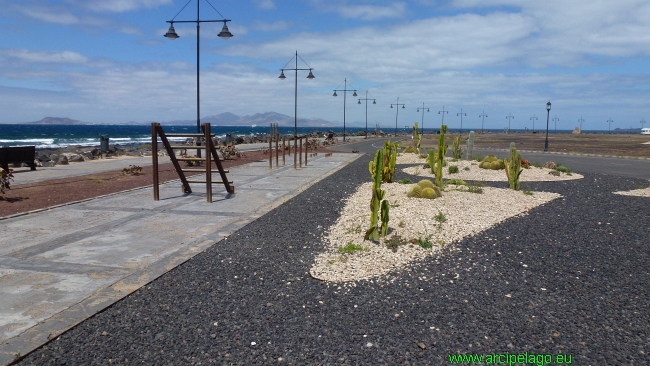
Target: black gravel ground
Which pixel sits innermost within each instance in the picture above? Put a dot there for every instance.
(571, 277)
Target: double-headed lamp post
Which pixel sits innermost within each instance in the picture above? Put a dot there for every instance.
(171, 34)
(548, 111)
(282, 77)
(345, 90)
(373, 102)
(397, 112)
(423, 108)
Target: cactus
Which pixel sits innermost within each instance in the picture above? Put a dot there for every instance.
(513, 169)
(470, 146)
(455, 148)
(492, 162)
(389, 158)
(415, 192)
(425, 183)
(440, 155)
(431, 160)
(431, 193)
(417, 138)
(376, 206)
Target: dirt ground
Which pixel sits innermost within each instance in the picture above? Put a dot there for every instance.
(40, 195)
(604, 144)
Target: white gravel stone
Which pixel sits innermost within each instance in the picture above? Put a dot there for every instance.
(466, 214)
(635, 192)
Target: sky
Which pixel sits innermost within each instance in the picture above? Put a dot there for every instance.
(106, 61)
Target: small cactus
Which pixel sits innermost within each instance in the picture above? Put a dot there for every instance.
(431, 193)
(456, 150)
(425, 183)
(415, 192)
(492, 162)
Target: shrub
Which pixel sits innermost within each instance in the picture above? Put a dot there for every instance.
(5, 179)
(405, 181)
(350, 248)
(453, 169)
(132, 170)
(394, 242)
(475, 187)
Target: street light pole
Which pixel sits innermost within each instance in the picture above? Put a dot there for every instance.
(461, 114)
(373, 102)
(423, 108)
(344, 90)
(282, 77)
(509, 117)
(610, 124)
(581, 120)
(642, 122)
(548, 111)
(397, 113)
(482, 122)
(555, 119)
(443, 111)
(171, 34)
(533, 118)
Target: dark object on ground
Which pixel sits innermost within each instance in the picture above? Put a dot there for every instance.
(17, 154)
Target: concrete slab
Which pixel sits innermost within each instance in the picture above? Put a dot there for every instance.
(61, 266)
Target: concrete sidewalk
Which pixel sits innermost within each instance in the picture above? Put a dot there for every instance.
(61, 266)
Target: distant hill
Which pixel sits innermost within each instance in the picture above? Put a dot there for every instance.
(260, 119)
(58, 121)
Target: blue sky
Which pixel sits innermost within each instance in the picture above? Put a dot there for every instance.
(106, 61)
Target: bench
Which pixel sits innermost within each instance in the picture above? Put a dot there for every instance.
(17, 154)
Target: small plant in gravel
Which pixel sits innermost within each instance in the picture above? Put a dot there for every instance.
(466, 169)
(132, 170)
(354, 230)
(394, 205)
(350, 248)
(640, 186)
(525, 164)
(423, 156)
(453, 169)
(474, 187)
(394, 242)
(5, 179)
(401, 224)
(527, 191)
(536, 164)
(554, 173)
(563, 169)
(417, 171)
(424, 242)
(458, 182)
(405, 181)
(440, 219)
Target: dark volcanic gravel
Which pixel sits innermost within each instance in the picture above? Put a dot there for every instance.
(571, 277)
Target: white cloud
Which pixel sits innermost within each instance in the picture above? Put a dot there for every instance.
(49, 15)
(265, 4)
(363, 12)
(58, 57)
(120, 6)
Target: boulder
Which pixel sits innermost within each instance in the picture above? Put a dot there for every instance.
(47, 164)
(62, 160)
(550, 165)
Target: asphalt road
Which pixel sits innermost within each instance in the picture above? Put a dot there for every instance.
(622, 167)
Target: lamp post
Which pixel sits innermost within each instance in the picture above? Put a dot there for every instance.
(397, 112)
(423, 108)
(642, 122)
(581, 120)
(443, 111)
(509, 117)
(282, 77)
(533, 118)
(548, 111)
(345, 90)
(483, 115)
(461, 114)
(610, 124)
(555, 119)
(373, 102)
(171, 34)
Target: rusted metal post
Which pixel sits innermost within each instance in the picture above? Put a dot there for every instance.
(306, 149)
(270, 153)
(301, 152)
(277, 150)
(283, 151)
(295, 156)
(154, 161)
(208, 162)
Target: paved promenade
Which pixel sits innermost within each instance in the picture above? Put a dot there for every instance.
(61, 266)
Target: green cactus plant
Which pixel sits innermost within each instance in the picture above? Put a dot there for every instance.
(440, 155)
(513, 169)
(492, 162)
(425, 183)
(431, 193)
(417, 138)
(456, 149)
(415, 192)
(389, 159)
(377, 207)
(431, 160)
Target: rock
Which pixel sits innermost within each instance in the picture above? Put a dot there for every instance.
(47, 164)
(550, 165)
(576, 131)
(73, 158)
(37, 163)
(62, 160)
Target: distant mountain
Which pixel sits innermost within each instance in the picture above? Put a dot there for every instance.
(260, 119)
(58, 121)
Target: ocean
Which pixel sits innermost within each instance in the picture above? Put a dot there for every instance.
(56, 136)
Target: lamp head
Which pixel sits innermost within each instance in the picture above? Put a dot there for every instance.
(359, 101)
(391, 106)
(282, 75)
(334, 95)
(374, 101)
(427, 109)
(548, 106)
(171, 33)
(355, 94)
(403, 106)
(225, 33)
(310, 76)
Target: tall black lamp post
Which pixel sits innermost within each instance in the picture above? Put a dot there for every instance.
(483, 115)
(461, 114)
(282, 77)
(443, 112)
(555, 119)
(171, 34)
(397, 112)
(581, 120)
(373, 102)
(344, 90)
(533, 118)
(609, 121)
(642, 122)
(509, 117)
(423, 108)
(548, 111)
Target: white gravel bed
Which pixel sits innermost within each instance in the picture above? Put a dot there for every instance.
(475, 173)
(635, 192)
(466, 214)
